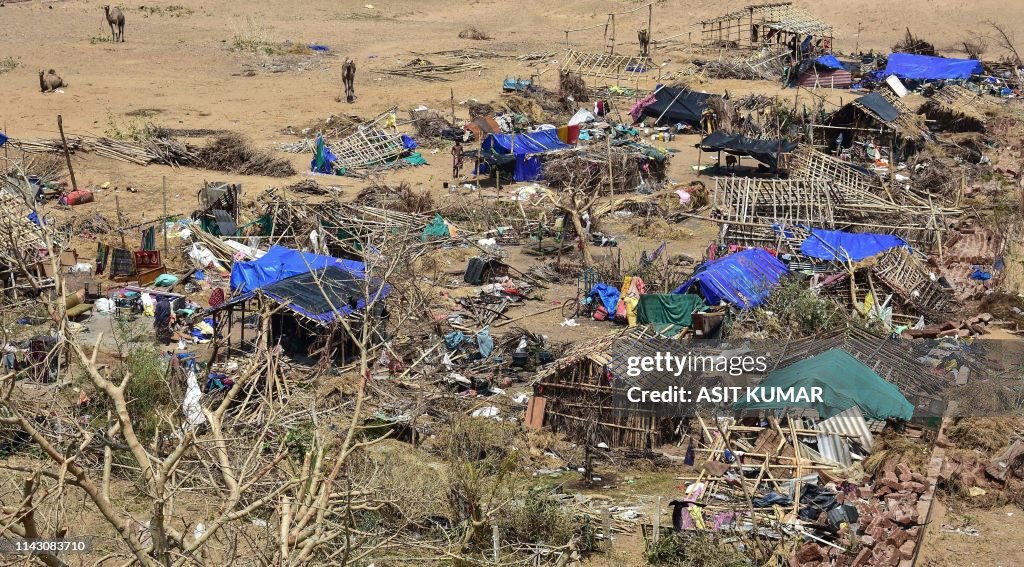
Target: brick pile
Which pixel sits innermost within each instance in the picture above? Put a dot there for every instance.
(889, 524)
(973, 326)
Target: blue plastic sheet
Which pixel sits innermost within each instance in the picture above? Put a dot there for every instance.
(839, 245)
(829, 61)
(525, 147)
(3, 139)
(485, 342)
(608, 295)
(453, 339)
(280, 263)
(744, 279)
(928, 68)
(979, 274)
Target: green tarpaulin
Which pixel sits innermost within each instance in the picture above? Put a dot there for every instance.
(668, 308)
(436, 228)
(415, 159)
(845, 382)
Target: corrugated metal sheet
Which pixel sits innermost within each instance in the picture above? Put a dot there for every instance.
(833, 79)
(849, 422)
(834, 448)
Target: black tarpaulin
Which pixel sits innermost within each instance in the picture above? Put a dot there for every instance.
(764, 151)
(881, 107)
(324, 296)
(674, 105)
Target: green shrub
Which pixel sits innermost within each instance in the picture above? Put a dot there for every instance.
(8, 64)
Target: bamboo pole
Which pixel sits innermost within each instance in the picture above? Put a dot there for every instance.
(67, 154)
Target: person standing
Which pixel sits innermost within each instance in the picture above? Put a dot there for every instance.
(457, 155)
(163, 318)
(348, 77)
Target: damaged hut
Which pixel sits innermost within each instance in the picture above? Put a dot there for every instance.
(876, 128)
(956, 109)
(769, 25)
(309, 296)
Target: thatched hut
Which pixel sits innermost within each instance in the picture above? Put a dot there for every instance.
(956, 109)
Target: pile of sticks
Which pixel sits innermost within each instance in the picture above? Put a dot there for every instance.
(434, 72)
(157, 150)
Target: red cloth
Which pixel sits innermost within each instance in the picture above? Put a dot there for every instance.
(574, 134)
(217, 297)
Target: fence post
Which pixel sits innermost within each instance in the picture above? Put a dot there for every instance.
(496, 539)
(657, 521)
(608, 524)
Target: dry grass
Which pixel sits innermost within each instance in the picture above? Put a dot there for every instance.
(891, 446)
(401, 198)
(252, 36)
(571, 85)
(429, 124)
(400, 473)
(988, 434)
(234, 153)
(658, 228)
(8, 64)
(473, 33)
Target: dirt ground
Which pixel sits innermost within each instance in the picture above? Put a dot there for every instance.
(178, 70)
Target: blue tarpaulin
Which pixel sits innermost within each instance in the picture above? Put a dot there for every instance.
(926, 67)
(3, 139)
(525, 147)
(280, 263)
(839, 245)
(744, 279)
(607, 295)
(829, 61)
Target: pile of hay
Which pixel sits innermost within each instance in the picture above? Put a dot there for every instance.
(473, 33)
(401, 198)
(891, 448)
(428, 123)
(525, 106)
(337, 125)
(987, 434)
(571, 85)
(478, 109)
(233, 153)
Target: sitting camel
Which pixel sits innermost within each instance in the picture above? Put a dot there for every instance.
(50, 81)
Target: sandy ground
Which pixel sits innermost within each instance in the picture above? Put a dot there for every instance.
(181, 67)
(177, 66)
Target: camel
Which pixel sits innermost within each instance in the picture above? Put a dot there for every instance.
(115, 18)
(644, 36)
(49, 81)
(348, 77)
